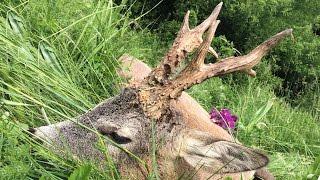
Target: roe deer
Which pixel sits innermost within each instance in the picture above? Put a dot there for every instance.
(190, 146)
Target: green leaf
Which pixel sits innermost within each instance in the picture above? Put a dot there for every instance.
(49, 56)
(316, 166)
(13, 103)
(259, 115)
(81, 172)
(15, 23)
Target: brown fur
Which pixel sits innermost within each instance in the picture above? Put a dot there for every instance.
(178, 131)
(189, 144)
(194, 116)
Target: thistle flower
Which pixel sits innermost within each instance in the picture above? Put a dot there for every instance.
(223, 118)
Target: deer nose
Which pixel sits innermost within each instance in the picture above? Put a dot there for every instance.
(32, 134)
(31, 130)
(49, 132)
(44, 133)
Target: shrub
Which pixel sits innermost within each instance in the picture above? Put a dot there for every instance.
(248, 23)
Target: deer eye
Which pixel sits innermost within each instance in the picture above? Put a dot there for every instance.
(118, 138)
(114, 134)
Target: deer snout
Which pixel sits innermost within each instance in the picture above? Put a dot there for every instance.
(31, 130)
(47, 133)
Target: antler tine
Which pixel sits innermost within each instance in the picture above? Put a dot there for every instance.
(213, 52)
(159, 88)
(186, 41)
(191, 75)
(213, 16)
(246, 62)
(185, 24)
(250, 72)
(205, 45)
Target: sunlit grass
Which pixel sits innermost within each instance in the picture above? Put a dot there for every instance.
(59, 58)
(57, 61)
(268, 123)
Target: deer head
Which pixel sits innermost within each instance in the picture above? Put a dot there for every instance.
(154, 101)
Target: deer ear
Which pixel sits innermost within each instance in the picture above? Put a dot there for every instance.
(200, 149)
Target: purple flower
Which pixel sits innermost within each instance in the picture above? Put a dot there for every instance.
(223, 118)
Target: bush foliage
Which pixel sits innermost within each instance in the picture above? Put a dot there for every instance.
(58, 59)
(248, 23)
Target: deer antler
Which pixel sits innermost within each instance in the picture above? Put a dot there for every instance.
(158, 89)
(187, 40)
(197, 71)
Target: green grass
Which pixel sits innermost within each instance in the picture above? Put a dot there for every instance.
(58, 59)
(53, 68)
(289, 135)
